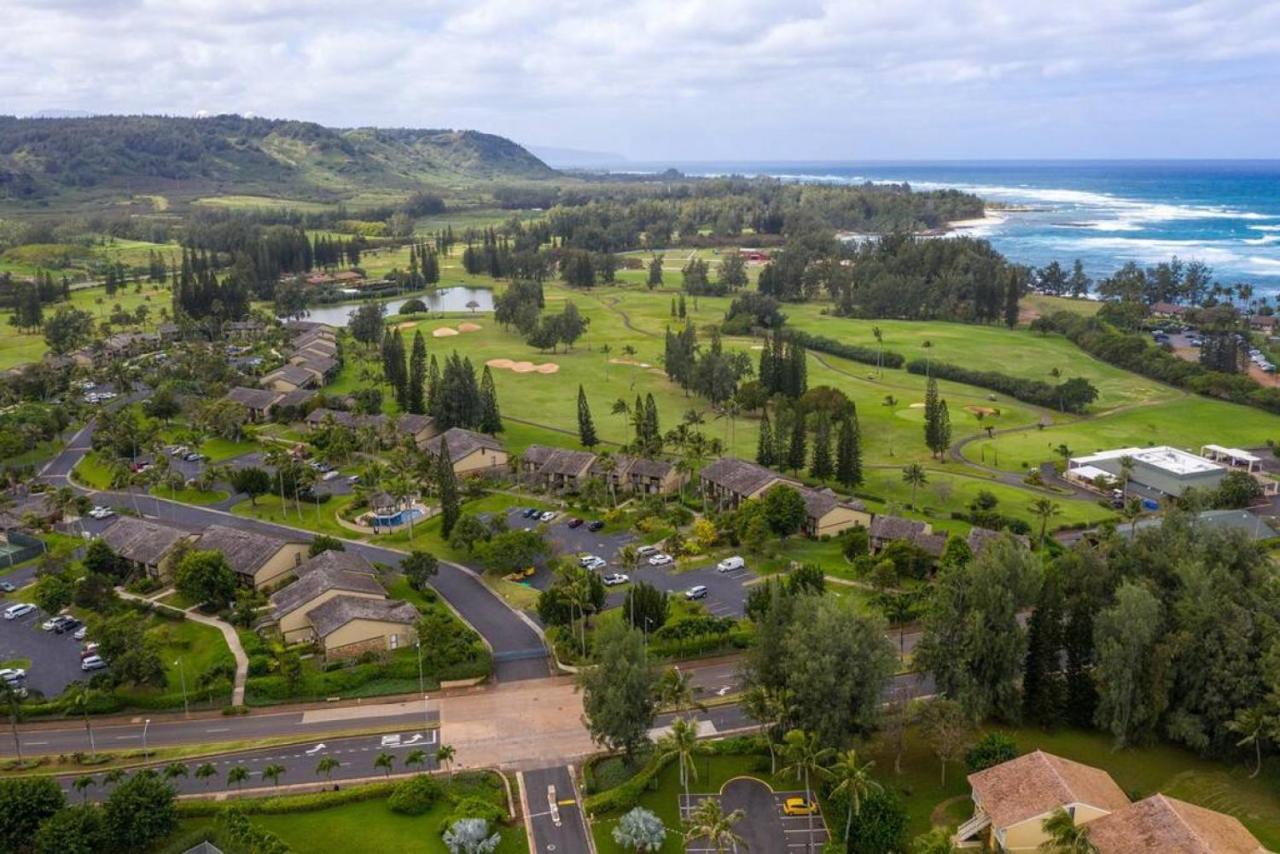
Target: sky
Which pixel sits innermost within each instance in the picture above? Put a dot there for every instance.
(685, 80)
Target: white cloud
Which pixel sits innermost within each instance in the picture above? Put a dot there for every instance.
(762, 79)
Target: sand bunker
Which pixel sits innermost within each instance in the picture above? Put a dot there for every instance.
(548, 368)
(500, 363)
(468, 327)
(917, 406)
(631, 362)
(524, 367)
(400, 327)
(444, 332)
(982, 410)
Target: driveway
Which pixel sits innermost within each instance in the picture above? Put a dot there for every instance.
(763, 826)
(555, 813)
(55, 658)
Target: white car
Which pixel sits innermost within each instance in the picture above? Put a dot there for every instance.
(645, 551)
(696, 592)
(729, 564)
(93, 662)
(586, 559)
(13, 612)
(616, 578)
(101, 512)
(81, 633)
(53, 622)
(661, 560)
(12, 675)
(332, 474)
(595, 563)
(547, 516)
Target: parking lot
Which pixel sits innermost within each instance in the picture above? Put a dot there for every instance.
(764, 827)
(726, 591)
(54, 658)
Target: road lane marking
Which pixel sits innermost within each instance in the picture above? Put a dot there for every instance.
(220, 729)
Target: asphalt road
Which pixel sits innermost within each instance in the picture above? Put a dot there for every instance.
(356, 757)
(519, 652)
(557, 819)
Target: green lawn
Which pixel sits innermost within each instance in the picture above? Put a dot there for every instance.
(198, 646)
(372, 826)
(313, 517)
(93, 472)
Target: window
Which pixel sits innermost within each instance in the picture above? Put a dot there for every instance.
(395, 641)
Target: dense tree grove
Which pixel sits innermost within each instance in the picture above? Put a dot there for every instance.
(1170, 634)
(713, 372)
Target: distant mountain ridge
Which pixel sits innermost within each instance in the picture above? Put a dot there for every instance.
(41, 157)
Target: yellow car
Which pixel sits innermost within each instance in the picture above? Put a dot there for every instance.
(799, 806)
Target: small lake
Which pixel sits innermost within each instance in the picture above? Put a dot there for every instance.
(445, 299)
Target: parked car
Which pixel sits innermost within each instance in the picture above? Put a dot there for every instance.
(13, 675)
(587, 559)
(53, 622)
(729, 564)
(616, 578)
(547, 516)
(93, 662)
(331, 475)
(179, 451)
(575, 522)
(645, 551)
(81, 633)
(70, 624)
(595, 525)
(698, 591)
(100, 512)
(531, 512)
(90, 649)
(193, 457)
(596, 563)
(661, 559)
(799, 806)
(13, 612)
(7, 587)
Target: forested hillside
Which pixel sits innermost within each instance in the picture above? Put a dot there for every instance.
(40, 158)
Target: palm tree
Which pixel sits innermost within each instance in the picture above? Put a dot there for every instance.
(13, 700)
(856, 783)
(1251, 725)
(675, 690)
(386, 762)
(444, 755)
(174, 770)
(207, 772)
(621, 407)
(1045, 509)
(879, 336)
(237, 775)
(272, 772)
(415, 757)
(709, 821)
(82, 784)
(914, 474)
(326, 766)
(1065, 836)
(80, 699)
(807, 760)
(681, 743)
(115, 775)
(1126, 472)
(1131, 512)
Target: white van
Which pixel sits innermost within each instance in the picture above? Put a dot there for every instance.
(13, 612)
(729, 564)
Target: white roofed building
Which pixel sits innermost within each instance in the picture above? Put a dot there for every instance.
(1161, 469)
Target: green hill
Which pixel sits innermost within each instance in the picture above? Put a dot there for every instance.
(45, 158)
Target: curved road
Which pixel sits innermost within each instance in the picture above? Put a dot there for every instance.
(518, 648)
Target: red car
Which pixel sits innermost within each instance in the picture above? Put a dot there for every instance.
(575, 522)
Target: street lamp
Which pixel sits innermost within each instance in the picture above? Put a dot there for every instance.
(182, 674)
(146, 723)
(418, 645)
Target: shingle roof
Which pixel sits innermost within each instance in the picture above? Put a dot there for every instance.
(245, 551)
(327, 571)
(340, 610)
(980, 538)
(820, 502)
(739, 476)
(461, 442)
(291, 374)
(143, 540)
(1169, 826)
(895, 528)
(254, 398)
(645, 467)
(346, 419)
(323, 364)
(932, 544)
(536, 455)
(568, 463)
(297, 397)
(412, 424)
(1038, 783)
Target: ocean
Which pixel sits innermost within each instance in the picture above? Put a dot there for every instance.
(1106, 213)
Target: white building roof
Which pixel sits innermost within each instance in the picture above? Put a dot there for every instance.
(1088, 472)
(1233, 453)
(1172, 460)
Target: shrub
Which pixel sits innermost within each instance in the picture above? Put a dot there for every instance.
(416, 795)
(992, 749)
(473, 807)
(852, 352)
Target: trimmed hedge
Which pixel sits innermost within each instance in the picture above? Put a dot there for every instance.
(1035, 392)
(853, 352)
(627, 795)
(285, 804)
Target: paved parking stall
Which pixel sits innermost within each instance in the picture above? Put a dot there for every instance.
(763, 827)
(55, 658)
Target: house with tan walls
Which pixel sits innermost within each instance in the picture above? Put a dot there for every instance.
(827, 514)
(148, 544)
(472, 453)
(728, 482)
(644, 475)
(1012, 800)
(323, 577)
(347, 626)
(260, 560)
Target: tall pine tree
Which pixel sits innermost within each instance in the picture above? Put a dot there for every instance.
(1044, 692)
(447, 489)
(400, 384)
(942, 432)
(849, 453)
(796, 450)
(433, 386)
(586, 427)
(764, 449)
(821, 467)
(490, 416)
(931, 416)
(418, 375)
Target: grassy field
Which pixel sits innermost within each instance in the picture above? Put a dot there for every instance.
(372, 826)
(313, 517)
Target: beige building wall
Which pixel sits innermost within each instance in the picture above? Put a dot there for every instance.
(480, 460)
(841, 519)
(296, 626)
(360, 636)
(282, 385)
(1029, 835)
(282, 562)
